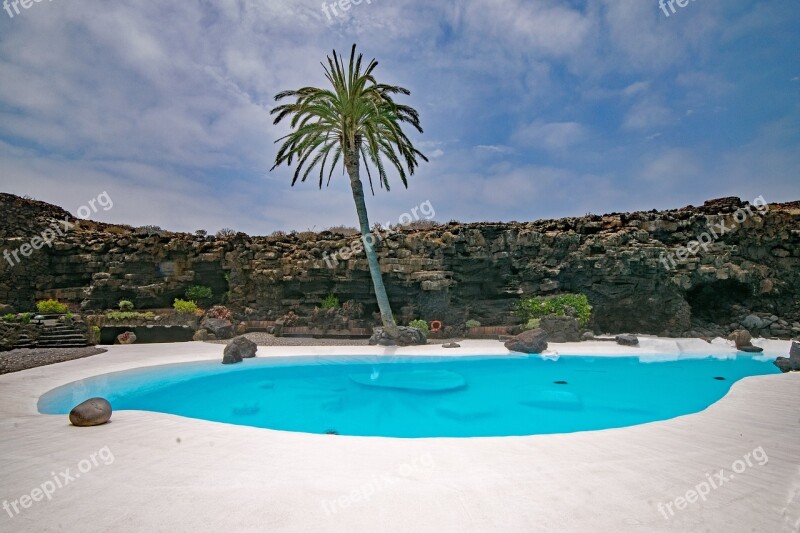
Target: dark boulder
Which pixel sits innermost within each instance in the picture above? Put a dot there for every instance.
(231, 358)
(242, 347)
(627, 340)
(92, 412)
(561, 328)
(750, 349)
(531, 341)
(451, 345)
(788, 365)
(792, 363)
(220, 328)
(408, 337)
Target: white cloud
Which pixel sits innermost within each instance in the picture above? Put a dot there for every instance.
(554, 136)
(647, 114)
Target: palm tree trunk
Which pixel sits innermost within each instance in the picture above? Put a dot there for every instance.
(352, 165)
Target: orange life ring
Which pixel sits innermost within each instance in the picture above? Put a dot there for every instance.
(436, 325)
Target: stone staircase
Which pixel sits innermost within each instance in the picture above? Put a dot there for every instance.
(61, 336)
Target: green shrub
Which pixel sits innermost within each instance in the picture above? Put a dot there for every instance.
(330, 302)
(94, 337)
(51, 306)
(10, 317)
(125, 305)
(420, 325)
(199, 293)
(69, 315)
(473, 324)
(24, 318)
(574, 305)
(184, 307)
(120, 316)
(533, 323)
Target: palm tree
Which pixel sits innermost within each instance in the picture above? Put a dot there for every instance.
(357, 117)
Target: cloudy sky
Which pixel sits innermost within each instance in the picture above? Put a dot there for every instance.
(531, 108)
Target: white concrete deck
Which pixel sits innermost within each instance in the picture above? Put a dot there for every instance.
(170, 473)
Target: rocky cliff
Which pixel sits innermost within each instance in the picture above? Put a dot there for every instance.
(701, 269)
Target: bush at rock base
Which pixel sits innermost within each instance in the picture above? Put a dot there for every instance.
(574, 305)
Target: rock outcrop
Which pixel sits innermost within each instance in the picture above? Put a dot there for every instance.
(220, 328)
(561, 328)
(533, 341)
(408, 337)
(241, 348)
(630, 265)
(791, 363)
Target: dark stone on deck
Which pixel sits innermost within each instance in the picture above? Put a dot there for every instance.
(533, 341)
(241, 347)
(627, 340)
(92, 412)
(750, 349)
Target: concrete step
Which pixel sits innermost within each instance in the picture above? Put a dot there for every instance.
(59, 335)
(62, 344)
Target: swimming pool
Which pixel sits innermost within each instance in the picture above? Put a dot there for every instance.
(426, 397)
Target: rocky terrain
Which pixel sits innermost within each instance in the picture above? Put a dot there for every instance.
(632, 266)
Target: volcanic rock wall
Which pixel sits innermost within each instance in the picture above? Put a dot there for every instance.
(451, 273)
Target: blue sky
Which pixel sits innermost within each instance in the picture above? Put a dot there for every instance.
(531, 109)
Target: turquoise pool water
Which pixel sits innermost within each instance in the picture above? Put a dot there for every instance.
(456, 397)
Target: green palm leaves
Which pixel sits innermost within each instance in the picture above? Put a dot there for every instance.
(356, 118)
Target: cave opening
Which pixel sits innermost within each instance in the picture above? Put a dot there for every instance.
(715, 302)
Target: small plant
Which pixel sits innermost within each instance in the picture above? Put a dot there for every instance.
(226, 233)
(125, 305)
(51, 307)
(420, 325)
(533, 323)
(10, 317)
(330, 302)
(150, 230)
(473, 324)
(352, 309)
(116, 230)
(343, 230)
(574, 305)
(24, 318)
(221, 312)
(184, 307)
(121, 316)
(69, 315)
(94, 335)
(199, 293)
